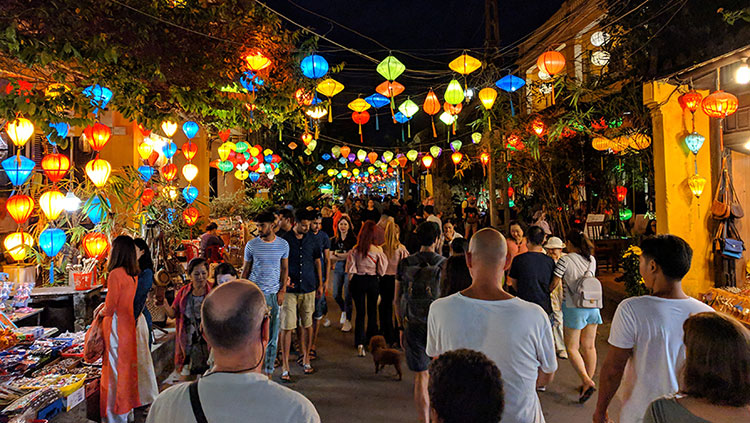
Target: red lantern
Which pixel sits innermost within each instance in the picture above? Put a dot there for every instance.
(189, 149)
(169, 171)
(720, 104)
(427, 160)
(190, 215)
(485, 158)
(55, 166)
(511, 192)
(306, 138)
(402, 160)
(451, 109)
(147, 197)
(621, 192)
(95, 244)
(691, 100)
(360, 118)
(224, 135)
(19, 207)
(97, 135)
(145, 132)
(538, 127)
(551, 62)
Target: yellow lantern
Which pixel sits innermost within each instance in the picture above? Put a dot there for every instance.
(619, 144)
(257, 61)
(465, 64)
(388, 156)
(329, 88)
(601, 144)
(317, 111)
(20, 131)
(427, 160)
(144, 150)
(412, 155)
(170, 192)
(17, 244)
(224, 151)
(241, 174)
(361, 155)
(51, 203)
(487, 96)
(359, 105)
(639, 141)
(169, 128)
(98, 171)
(696, 184)
(190, 171)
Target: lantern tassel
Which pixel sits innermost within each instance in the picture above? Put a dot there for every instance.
(434, 131)
(512, 110)
(408, 129)
(402, 134)
(489, 122)
(377, 121)
(454, 127)
(317, 131)
(553, 94)
(52, 272)
(330, 118)
(361, 141)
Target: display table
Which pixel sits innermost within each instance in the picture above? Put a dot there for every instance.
(66, 308)
(734, 304)
(32, 318)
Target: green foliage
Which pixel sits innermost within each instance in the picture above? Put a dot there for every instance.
(732, 16)
(631, 276)
(238, 204)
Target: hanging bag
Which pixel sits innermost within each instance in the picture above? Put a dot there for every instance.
(720, 207)
(93, 344)
(728, 242)
(735, 208)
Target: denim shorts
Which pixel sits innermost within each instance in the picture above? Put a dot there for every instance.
(579, 318)
(321, 308)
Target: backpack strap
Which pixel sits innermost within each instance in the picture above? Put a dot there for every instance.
(195, 403)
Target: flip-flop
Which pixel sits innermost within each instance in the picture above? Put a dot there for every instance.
(585, 396)
(309, 369)
(313, 354)
(286, 378)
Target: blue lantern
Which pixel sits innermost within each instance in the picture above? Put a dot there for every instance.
(377, 101)
(190, 193)
(95, 211)
(170, 215)
(254, 176)
(18, 169)
(169, 149)
(326, 156)
(51, 241)
(99, 96)
(510, 83)
(146, 172)
(249, 81)
(319, 167)
(190, 129)
(694, 142)
(342, 160)
(401, 118)
(61, 128)
(314, 66)
(316, 100)
(268, 158)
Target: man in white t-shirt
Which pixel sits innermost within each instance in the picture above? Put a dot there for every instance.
(235, 324)
(646, 334)
(513, 333)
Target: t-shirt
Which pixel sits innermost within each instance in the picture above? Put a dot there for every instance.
(472, 214)
(668, 410)
(652, 327)
(325, 244)
(227, 397)
(515, 334)
(266, 257)
(533, 274)
(570, 268)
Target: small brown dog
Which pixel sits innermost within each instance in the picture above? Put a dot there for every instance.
(382, 355)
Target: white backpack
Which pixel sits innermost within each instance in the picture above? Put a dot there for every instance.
(587, 292)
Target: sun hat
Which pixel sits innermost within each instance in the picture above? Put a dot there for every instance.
(554, 242)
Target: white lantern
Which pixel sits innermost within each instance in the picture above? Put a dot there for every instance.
(599, 38)
(600, 58)
(71, 202)
(742, 76)
(543, 75)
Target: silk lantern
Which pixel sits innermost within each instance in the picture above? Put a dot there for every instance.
(436, 151)
(336, 151)
(98, 171)
(510, 84)
(20, 131)
(456, 157)
(551, 62)
(696, 184)
(390, 68)
(691, 100)
(314, 66)
(621, 192)
(55, 166)
(387, 156)
(372, 157)
(72, 202)
(224, 151)
(51, 241)
(427, 161)
(51, 203)
(465, 64)
(431, 106)
(169, 172)
(190, 215)
(190, 194)
(169, 128)
(257, 61)
(189, 149)
(190, 172)
(476, 137)
(719, 104)
(146, 172)
(487, 96)
(454, 94)
(360, 118)
(98, 96)
(639, 141)
(147, 197)
(601, 143)
(190, 129)
(456, 145)
(17, 244)
(408, 108)
(144, 150)
(377, 101)
(97, 135)
(169, 149)
(329, 88)
(694, 142)
(402, 160)
(361, 155)
(95, 212)
(19, 207)
(390, 89)
(345, 151)
(95, 244)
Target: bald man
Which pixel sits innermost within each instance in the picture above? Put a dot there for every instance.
(235, 325)
(513, 333)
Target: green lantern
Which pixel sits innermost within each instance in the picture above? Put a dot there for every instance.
(412, 155)
(336, 151)
(476, 137)
(361, 155)
(225, 166)
(390, 68)
(447, 118)
(454, 94)
(435, 151)
(408, 108)
(625, 214)
(456, 145)
(241, 147)
(387, 156)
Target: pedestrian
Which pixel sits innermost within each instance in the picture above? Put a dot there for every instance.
(648, 331)
(267, 265)
(148, 389)
(371, 213)
(224, 272)
(459, 246)
(716, 375)
(513, 333)
(191, 350)
(321, 306)
(554, 247)
(344, 241)
(284, 222)
(211, 243)
(516, 243)
(236, 325)
(365, 264)
(120, 377)
(456, 276)
(299, 300)
(471, 217)
(430, 216)
(530, 275)
(394, 252)
(145, 283)
(540, 220)
(417, 286)
(449, 234)
(465, 386)
(327, 221)
(579, 324)
(355, 214)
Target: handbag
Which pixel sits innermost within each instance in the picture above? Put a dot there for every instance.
(93, 344)
(728, 242)
(735, 208)
(198, 348)
(720, 208)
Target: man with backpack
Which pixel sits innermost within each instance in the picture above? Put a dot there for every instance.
(417, 286)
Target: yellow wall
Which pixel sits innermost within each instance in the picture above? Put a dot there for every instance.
(678, 212)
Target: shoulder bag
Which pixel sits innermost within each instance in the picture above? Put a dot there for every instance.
(720, 207)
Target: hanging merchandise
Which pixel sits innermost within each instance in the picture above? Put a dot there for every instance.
(190, 129)
(361, 155)
(55, 166)
(98, 171)
(17, 244)
(456, 145)
(639, 141)
(257, 61)
(401, 118)
(61, 129)
(360, 118)
(601, 144)
(390, 89)
(95, 212)
(169, 172)
(390, 69)
(696, 184)
(19, 207)
(169, 128)
(412, 155)
(551, 62)
(487, 96)
(510, 84)
(621, 192)
(427, 161)
(190, 215)
(457, 157)
(377, 101)
(719, 104)
(372, 157)
(436, 151)
(431, 106)
(190, 172)
(169, 149)
(329, 88)
(314, 66)
(95, 244)
(98, 96)
(144, 150)
(476, 137)
(190, 149)
(345, 151)
(51, 241)
(454, 94)
(694, 142)
(147, 197)
(20, 131)
(97, 135)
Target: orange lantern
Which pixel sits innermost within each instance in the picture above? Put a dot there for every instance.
(601, 144)
(145, 150)
(719, 104)
(169, 171)
(372, 157)
(257, 61)
(17, 244)
(551, 62)
(95, 244)
(691, 100)
(484, 158)
(621, 192)
(361, 118)
(538, 127)
(306, 138)
(402, 160)
(189, 149)
(19, 207)
(97, 135)
(456, 157)
(147, 197)
(390, 89)
(55, 166)
(98, 171)
(345, 150)
(427, 160)
(431, 106)
(190, 215)
(304, 97)
(451, 109)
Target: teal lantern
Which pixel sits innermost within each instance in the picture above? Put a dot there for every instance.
(190, 193)
(694, 142)
(18, 169)
(225, 166)
(51, 241)
(95, 211)
(190, 129)
(314, 66)
(626, 214)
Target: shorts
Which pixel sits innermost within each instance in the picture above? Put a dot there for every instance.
(321, 308)
(297, 305)
(579, 318)
(415, 343)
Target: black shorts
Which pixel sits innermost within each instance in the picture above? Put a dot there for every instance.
(415, 343)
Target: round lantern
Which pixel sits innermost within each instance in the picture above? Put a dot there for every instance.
(17, 244)
(51, 241)
(169, 128)
(487, 96)
(190, 171)
(601, 143)
(476, 137)
(538, 127)
(454, 93)
(72, 202)
(147, 197)
(412, 155)
(190, 129)
(372, 157)
(435, 151)
(97, 135)
(719, 104)
(19, 207)
(95, 212)
(427, 160)
(600, 58)
(224, 151)
(599, 38)
(169, 149)
(169, 172)
(144, 150)
(190, 215)
(51, 203)
(456, 157)
(691, 100)
(95, 244)
(639, 141)
(387, 156)
(696, 184)
(621, 192)
(314, 66)
(55, 166)
(484, 158)
(98, 171)
(552, 62)
(189, 149)
(625, 214)
(20, 131)
(146, 172)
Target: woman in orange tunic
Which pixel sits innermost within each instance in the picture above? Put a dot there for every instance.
(119, 382)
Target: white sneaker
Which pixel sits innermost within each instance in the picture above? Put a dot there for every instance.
(361, 350)
(326, 322)
(343, 318)
(347, 327)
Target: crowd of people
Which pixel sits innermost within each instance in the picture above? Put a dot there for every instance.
(482, 321)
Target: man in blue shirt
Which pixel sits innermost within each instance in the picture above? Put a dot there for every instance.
(299, 302)
(321, 306)
(267, 265)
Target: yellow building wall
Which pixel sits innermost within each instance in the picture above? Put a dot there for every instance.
(678, 212)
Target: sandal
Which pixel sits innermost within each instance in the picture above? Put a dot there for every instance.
(309, 369)
(585, 396)
(300, 360)
(285, 377)
(313, 354)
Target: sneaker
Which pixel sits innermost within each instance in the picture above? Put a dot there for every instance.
(343, 318)
(347, 327)
(361, 350)
(326, 322)
(541, 389)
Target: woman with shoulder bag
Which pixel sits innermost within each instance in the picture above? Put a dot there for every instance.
(579, 324)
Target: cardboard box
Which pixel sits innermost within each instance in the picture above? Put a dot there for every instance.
(75, 398)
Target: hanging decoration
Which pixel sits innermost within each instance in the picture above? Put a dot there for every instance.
(98, 171)
(431, 106)
(454, 94)
(190, 194)
(696, 184)
(427, 161)
(551, 62)
(51, 203)
(360, 116)
(19, 207)
(147, 197)
(408, 108)
(97, 136)
(412, 155)
(314, 66)
(257, 61)
(20, 131)
(98, 96)
(17, 244)
(476, 137)
(464, 65)
(377, 101)
(487, 96)
(390, 89)
(719, 105)
(190, 215)
(95, 212)
(329, 88)
(190, 129)
(436, 151)
(510, 84)
(694, 142)
(621, 192)
(95, 244)
(51, 241)
(390, 69)
(169, 128)
(55, 166)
